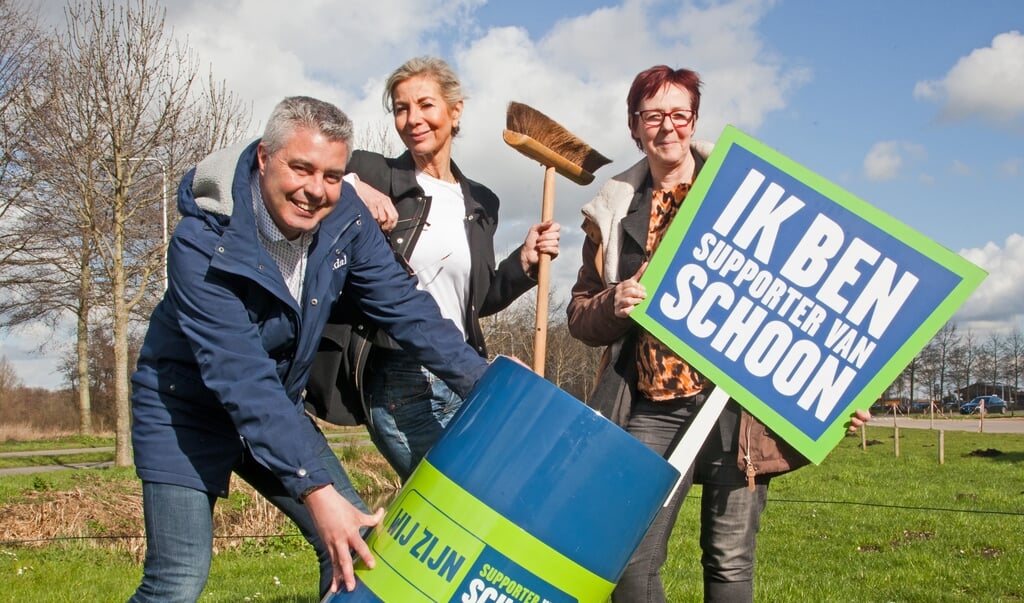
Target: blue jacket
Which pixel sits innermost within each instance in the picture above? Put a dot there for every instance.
(228, 350)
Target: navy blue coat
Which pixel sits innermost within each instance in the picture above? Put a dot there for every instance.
(228, 350)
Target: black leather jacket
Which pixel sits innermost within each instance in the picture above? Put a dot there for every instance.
(335, 389)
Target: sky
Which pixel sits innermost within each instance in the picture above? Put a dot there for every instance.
(915, 106)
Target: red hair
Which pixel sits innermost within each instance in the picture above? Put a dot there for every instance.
(649, 82)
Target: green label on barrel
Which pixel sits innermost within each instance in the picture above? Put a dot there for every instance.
(439, 543)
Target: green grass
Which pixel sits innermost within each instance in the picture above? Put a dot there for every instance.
(74, 572)
(14, 487)
(864, 526)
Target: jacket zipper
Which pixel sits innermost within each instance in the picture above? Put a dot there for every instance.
(751, 469)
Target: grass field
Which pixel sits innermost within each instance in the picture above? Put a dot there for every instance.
(864, 526)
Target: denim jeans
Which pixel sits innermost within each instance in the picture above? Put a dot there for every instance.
(730, 513)
(658, 425)
(179, 530)
(409, 409)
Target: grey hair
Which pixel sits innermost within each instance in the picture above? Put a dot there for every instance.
(432, 67)
(297, 112)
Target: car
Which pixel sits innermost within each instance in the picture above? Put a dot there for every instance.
(924, 407)
(992, 404)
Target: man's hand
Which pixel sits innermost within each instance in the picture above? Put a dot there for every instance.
(338, 522)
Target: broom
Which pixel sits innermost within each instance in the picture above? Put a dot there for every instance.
(540, 138)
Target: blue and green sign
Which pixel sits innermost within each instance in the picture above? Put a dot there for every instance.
(800, 300)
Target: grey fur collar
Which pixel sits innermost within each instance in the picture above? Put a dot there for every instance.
(214, 177)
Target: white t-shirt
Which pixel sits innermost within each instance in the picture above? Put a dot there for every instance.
(441, 258)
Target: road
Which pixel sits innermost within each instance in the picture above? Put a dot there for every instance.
(337, 441)
(992, 425)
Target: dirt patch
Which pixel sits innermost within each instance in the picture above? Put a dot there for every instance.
(988, 452)
(910, 536)
(990, 553)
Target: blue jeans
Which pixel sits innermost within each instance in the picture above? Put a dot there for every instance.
(730, 513)
(409, 408)
(179, 530)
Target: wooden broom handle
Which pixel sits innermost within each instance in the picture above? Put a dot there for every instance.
(540, 337)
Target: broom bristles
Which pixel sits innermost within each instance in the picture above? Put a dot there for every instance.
(526, 120)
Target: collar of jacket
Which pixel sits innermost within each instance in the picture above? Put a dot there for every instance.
(404, 183)
(404, 186)
(612, 204)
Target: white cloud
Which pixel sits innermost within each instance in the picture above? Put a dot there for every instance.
(577, 72)
(989, 83)
(997, 301)
(883, 161)
(887, 159)
(34, 353)
(960, 168)
(267, 50)
(1012, 167)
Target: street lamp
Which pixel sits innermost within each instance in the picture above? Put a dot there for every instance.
(163, 213)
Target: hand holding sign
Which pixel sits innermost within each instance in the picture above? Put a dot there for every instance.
(800, 300)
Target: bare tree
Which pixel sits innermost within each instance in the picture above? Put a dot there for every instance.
(377, 136)
(910, 375)
(570, 364)
(990, 359)
(8, 378)
(965, 360)
(120, 115)
(945, 341)
(510, 332)
(20, 43)
(1014, 362)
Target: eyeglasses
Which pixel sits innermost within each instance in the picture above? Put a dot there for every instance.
(653, 118)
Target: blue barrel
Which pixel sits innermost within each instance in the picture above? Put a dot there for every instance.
(529, 497)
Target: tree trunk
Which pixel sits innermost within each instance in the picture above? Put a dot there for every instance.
(84, 398)
(122, 431)
(82, 343)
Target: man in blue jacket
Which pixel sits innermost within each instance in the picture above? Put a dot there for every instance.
(269, 239)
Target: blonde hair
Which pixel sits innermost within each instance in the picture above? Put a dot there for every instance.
(433, 67)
